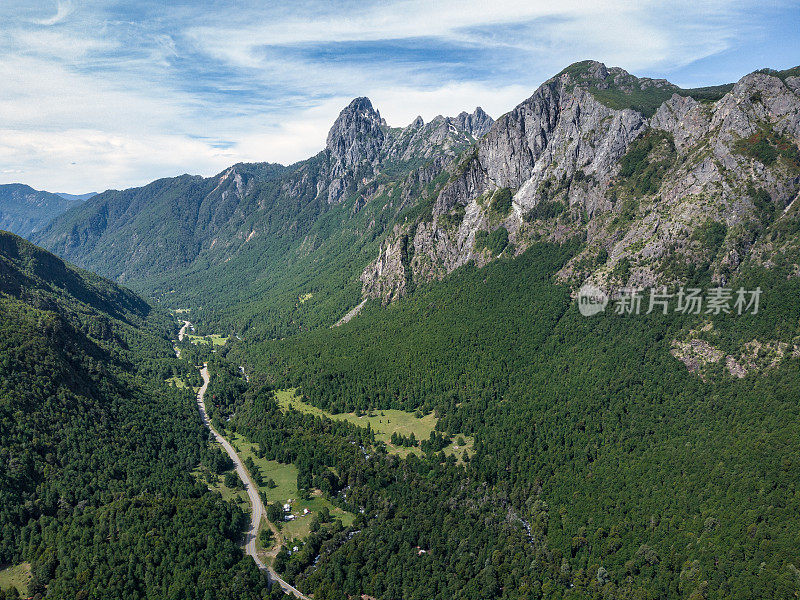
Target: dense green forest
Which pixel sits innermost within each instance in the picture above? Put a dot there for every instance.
(302, 273)
(95, 485)
(424, 527)
(636, 477)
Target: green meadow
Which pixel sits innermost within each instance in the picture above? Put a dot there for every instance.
(16, 576)
(285, 478)
(383, 422)
(213, 339)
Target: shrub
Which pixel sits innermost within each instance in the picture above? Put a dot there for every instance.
(453, 218)
(232, 480)
(275, 513)
(629, 208)
(266, 537)
(711, 235)
(762, 201)
(495, 242)
(501, 201)
(647, 161)
(622, 269)
(546, 209)
(766, 146)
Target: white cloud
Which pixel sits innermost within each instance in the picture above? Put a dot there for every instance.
(635, 33)
(63, 10)
(102, 99)
(73, 160)
(44, 94)
(58, 45)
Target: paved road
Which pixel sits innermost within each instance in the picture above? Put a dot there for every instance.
(258, 511)
(180, 337)
(183, 330)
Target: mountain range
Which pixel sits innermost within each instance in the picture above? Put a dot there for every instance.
(426, 275)
(639, 169)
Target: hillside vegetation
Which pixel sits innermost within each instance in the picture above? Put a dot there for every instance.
(95, 491)
(593, 433)
(635, 456)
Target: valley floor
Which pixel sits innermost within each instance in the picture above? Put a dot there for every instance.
(258, 512)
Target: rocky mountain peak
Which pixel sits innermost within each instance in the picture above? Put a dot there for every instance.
(354, 141)
(477, 123)
(594, 75)
(585, 69)
(357, 134)
(636, 167)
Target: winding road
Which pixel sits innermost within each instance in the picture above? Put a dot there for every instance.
(180, 337)
(258, 513)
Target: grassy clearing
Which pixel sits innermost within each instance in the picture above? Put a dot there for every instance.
(285, 478)
(176, 382)
(216, 483)
(17, 576)
(383, 422)
(285, 492)
(214, 339)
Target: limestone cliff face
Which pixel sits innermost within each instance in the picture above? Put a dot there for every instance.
(645, 187)
(171, 224)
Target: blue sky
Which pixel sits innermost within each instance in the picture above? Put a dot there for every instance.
(99, 94)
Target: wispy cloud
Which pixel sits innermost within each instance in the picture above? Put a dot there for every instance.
(115, 94)
(63, 10)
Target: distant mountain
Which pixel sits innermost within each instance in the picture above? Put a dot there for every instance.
(258, 236)
(24, 210)
(76, 196)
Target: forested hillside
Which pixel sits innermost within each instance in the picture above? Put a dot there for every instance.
(638, 169)
(24, 210)
(632, 454)
(95, 490)
(636, 477)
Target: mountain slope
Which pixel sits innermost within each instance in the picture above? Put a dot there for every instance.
(260, 230)
(632, 476)
(628, 455)
(91, 435)
(25, 211)
(638, 168)
(81, 197)
(576, 161)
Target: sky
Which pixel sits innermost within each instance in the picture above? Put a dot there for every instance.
(113, 94)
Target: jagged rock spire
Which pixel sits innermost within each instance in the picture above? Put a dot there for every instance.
(477, 123)
(356, 135)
